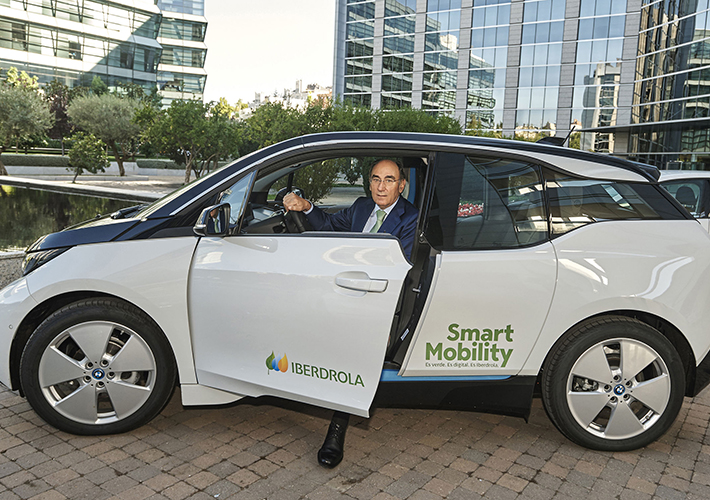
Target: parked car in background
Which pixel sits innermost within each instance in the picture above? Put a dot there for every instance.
(535, 269)
(692, 190)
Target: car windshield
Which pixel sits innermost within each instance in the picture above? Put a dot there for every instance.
(158, 204)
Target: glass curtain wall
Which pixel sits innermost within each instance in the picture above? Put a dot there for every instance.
(672, 84)
(59, 40)
(540, 62)
(598, 71)
(441, 55)
(488, 61)
(360, 33)
(398, 54)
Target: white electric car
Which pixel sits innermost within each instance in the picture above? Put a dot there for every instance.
(692, 190)
(535, 269)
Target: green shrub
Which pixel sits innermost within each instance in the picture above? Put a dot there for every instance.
(158, 163)
(88, 153)
(15, 160)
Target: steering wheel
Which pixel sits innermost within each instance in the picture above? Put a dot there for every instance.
(296, 222)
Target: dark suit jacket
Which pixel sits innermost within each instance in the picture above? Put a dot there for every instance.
(401, 222)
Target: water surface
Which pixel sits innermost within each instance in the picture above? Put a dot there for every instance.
(27, 214)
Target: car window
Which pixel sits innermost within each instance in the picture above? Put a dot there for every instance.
(575, 202)
(692, 194)
(486, 203)
(235, 195)
(331, 183)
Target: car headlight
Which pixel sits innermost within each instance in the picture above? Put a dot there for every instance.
(36, 259)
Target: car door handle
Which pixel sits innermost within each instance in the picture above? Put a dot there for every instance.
(361, 282)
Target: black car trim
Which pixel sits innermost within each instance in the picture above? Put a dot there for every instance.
(511, 396)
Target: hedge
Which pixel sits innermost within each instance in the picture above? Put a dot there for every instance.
(158, 163)
(19, 160)
(161, 163)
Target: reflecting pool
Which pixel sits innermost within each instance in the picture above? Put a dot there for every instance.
(27, 214)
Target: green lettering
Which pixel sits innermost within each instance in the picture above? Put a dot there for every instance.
(497, 332)
(433, 351)
(506, 356)
(450, 353)
(494, 350)
(470, 333)
(487, 334)
(464, 353)
(342, 377)
(297, 368)
(323, 373)
(358, 381)
(509, 334)
(454, 332)
(333, 375)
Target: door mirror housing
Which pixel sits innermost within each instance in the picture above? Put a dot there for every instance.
(213, 221)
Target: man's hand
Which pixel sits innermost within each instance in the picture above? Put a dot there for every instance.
(296, 203)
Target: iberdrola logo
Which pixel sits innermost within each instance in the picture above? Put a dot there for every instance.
(278, 364)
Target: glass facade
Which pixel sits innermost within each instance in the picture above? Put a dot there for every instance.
(60, 39)
(626, 77)
(181, 73)
(490, 27)
(673, 85)
(540, 64)
(360, 36)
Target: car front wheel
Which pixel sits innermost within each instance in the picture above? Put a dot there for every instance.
(97, 366)
(613, 384)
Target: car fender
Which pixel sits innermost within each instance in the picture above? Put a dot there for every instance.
(150, 274)
(603, 268)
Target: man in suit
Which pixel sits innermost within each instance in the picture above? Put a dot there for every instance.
(385, 212)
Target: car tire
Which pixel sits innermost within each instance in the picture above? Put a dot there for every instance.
(613, 384)
(97, 366)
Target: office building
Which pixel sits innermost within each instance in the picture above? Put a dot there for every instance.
(181, 73)
(631, 76)
(77, 40)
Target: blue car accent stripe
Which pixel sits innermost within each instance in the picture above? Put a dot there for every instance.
(391, 376)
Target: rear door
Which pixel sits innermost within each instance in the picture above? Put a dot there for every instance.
(494, 278)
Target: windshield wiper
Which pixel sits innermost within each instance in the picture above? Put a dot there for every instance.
(121, 214)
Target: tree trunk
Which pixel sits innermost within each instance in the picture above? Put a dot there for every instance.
(3, 171)
(62, 140)
(188, 171)
(119, 160)
(73, 181)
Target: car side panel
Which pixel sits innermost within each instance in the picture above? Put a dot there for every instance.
(658, 267)
(150, 274)
(484, 312)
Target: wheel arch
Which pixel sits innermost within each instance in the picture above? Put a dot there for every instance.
(665, 327)
(45, 309)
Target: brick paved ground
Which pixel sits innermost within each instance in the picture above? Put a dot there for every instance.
(265, 451)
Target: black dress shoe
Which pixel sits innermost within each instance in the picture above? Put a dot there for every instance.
(331, 453)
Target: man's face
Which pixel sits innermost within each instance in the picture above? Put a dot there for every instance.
(385, 183)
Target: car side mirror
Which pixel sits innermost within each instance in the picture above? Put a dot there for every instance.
(213, 221)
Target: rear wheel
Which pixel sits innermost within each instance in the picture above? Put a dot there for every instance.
(613, 384)
(97, 367)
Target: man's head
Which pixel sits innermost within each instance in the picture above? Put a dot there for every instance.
(386, 183)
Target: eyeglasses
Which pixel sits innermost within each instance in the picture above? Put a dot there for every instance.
(389, 181)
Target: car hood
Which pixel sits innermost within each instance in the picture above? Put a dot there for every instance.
(97, 230)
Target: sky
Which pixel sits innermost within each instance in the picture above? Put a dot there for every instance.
(266, 45)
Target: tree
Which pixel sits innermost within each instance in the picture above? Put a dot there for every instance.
(110, 118)
(21, 79)
(23, 114)
(182, 133)
(88, 153)
(58, 96)
(98, 87)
